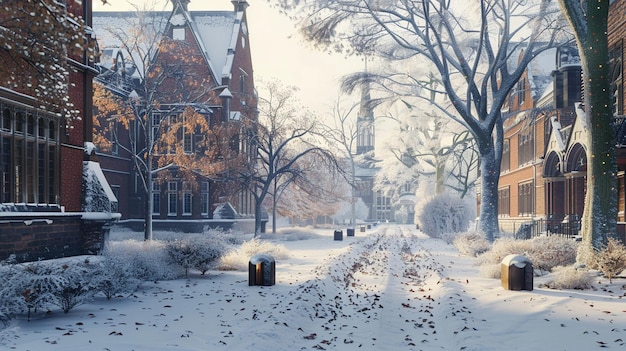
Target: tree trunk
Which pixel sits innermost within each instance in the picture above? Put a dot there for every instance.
(490, 173)
(600, 212)
(149, 202)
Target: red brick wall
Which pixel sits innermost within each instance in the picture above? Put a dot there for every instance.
(30, 238)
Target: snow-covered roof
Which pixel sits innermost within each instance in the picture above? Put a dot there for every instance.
(215, 31)
(218, 32)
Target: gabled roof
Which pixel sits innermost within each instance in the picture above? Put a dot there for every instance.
(216, 32)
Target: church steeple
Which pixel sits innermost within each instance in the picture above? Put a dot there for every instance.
(365, 121)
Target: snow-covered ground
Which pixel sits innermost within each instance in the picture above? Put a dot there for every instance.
(391, 288)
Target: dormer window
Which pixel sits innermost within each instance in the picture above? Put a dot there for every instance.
(178, 33)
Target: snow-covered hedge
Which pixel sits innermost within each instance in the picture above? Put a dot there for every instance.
(444, 214)
(197, 252)
(471, 244)
(545, 252)
(237, 260)
(145, 260)
(32, 287)
(570, 277)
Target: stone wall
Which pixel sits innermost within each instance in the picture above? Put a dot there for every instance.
(49, 235)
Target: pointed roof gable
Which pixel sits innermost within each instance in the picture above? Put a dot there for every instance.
(215, 32)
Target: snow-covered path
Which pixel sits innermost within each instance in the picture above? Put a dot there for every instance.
(391, 288)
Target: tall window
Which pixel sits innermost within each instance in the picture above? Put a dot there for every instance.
(525, 149)
(521, 91)
(243, 77)
(526, 197)
(187, 138)
(172, 196)
(617, 87)
(504, 201)
(156, 125)
(204, 198)
(187, 199)
(156, 198)
(29, 160)
(506, 156)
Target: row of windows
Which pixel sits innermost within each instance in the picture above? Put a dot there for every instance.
(525, 200)
(29, 157)
(186, 196)
(525, 151)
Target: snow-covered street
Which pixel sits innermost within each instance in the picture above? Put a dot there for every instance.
(391, 288)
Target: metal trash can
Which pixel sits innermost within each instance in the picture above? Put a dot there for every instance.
(369, 226)
(362, 228)
(262, 270)
(517, 273)
(338, 234)
(350, 232)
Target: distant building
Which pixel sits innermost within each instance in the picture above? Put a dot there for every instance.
(220, 39)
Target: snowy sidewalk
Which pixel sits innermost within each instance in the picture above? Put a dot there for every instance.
(391, 288)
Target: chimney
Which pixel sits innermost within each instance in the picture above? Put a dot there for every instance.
(183, 3)
(240, 5)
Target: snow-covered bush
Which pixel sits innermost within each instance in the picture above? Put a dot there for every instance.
(548, 252)
(35, 286)
(490, 271)
(543, 252)
(569, 277)
(443, 214)
(77, 284)
(198, 252)
(611, 259)
(146, 260)
(115, 277)
(238, 259)
(471, 244)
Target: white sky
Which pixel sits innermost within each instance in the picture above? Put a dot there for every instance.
(277, 52)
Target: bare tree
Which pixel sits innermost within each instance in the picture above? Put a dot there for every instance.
(342, 134)
(589, 21)
(164, 107)
(283, 136)
(471, 56)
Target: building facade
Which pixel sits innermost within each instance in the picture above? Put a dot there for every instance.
(544, 163)
(213, 79)
(44, 147)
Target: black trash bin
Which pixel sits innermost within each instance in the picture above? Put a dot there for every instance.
(517, 273)
(350, 232)
(369, 226)
(362, 229)
(262, 270)
(338, 234)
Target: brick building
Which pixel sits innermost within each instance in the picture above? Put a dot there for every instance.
(544, 162)
(43, 154)
(218, 64)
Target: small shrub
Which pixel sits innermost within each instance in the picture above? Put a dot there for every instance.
(444, 214)
(197, 252)
(490, 271)
(471, 244)
(147, 260)
(569, 277)
(543, 252)
(77, 285)
(611, 260)
(115, 277)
